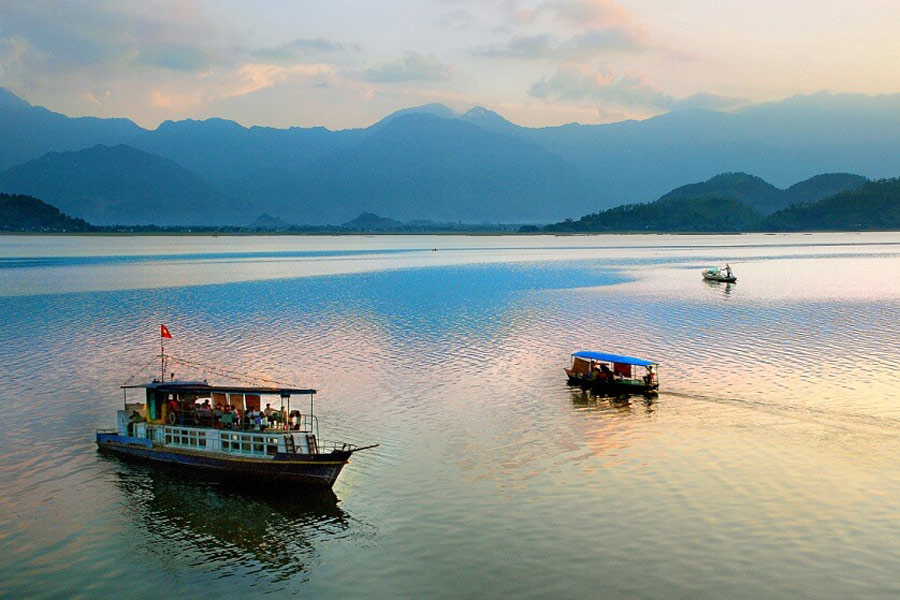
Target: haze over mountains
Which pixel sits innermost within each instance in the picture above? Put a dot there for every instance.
(428, 162)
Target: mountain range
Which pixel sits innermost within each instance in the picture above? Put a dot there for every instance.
(429, 163)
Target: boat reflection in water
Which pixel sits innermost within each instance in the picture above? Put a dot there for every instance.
(718, 286)
(586, 398)
(227, 528)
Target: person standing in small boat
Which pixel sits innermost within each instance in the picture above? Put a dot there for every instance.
(728, 271)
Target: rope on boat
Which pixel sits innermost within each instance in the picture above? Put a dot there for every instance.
(227, 373)
(140, 370)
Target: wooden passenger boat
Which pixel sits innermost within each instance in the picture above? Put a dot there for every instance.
(221, 430)
(613, 373)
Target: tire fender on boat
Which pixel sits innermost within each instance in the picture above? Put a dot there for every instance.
(171, 418)
(196, 419)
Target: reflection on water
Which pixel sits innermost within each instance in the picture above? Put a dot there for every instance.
(766, 467)
(204, 524)
(588, 398)
(720, 288)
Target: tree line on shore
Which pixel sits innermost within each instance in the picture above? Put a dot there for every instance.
(874, 205)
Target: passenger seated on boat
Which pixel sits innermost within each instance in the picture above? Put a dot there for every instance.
(295, 420)
(263, 422)
(227, 417)
(135, 417)
(606, 373)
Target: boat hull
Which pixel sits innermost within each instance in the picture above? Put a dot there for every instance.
(613, 388)
(719, 279)
(319, 470)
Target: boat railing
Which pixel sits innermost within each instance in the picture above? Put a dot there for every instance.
(208, 419)
(326, 446)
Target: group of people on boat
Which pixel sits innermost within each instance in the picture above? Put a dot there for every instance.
(226, 416)
(602, 372)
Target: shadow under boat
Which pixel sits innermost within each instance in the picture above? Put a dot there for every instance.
(719, 286)
(214, 524)
(584, 397)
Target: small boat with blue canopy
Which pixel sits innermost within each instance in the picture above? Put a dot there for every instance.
(613, 373)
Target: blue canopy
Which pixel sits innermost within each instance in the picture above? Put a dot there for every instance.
(614, 358)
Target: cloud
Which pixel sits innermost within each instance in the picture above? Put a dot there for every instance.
(300, 49)
(458, 19)
(580, 83)
(587, 13)
(60, 36)
(588, 44)
(245, 80)
(575, 82)
(521, 46)
(412, 67)
(709, 101)
(162, 54)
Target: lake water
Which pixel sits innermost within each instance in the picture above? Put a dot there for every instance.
(768, 467)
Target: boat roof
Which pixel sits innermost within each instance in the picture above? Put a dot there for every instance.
(202, 387)
(615, 358)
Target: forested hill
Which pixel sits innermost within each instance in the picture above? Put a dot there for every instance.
(874, 206)
(26, 213)
(727, 202)
(761, 195)
(681, 214)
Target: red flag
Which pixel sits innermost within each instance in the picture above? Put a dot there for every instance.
(164, 332)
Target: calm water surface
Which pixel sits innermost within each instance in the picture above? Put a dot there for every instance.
(768, 467)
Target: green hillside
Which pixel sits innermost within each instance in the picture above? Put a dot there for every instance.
(751, 190)
(26, 213)
(684, 214)
(874, 206)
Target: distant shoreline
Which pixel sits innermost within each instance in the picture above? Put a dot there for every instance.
(417, 233)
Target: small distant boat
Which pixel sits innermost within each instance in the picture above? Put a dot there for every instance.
(722, 275)
(613, 373)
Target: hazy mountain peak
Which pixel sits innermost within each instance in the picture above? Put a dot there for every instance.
(436, 109)
(10, 101)
(480, 112)
(209, 125)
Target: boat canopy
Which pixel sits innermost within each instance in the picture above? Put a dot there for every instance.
(613, 358)
(201, 387)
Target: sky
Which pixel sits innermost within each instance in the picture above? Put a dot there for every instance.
(348, 63)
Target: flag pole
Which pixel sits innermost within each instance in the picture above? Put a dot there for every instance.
(163, 334)
(162, 356)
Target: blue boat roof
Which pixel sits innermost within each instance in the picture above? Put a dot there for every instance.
(615, 358)
(202, 387)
